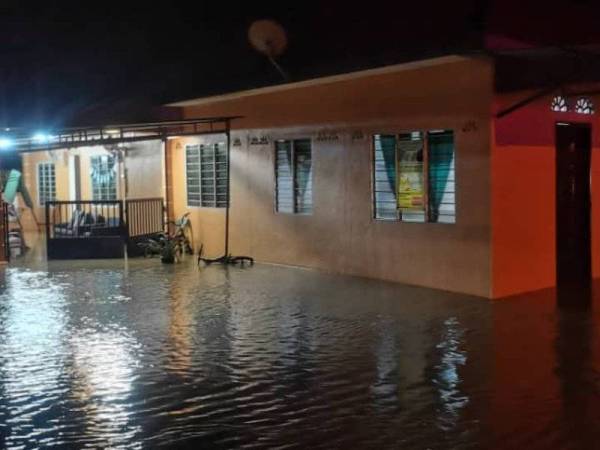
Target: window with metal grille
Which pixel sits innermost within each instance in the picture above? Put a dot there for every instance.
(413, 176)
(206, 175)
(293, 175)
(104, 177)
(46, 183)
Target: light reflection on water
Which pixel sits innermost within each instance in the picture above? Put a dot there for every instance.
(101, 355)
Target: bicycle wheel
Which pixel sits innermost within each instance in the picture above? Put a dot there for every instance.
(178, 252)
(188, 239)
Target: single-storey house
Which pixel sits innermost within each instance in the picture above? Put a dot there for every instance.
(419, 173)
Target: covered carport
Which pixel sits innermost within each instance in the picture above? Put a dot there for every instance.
(79, 226)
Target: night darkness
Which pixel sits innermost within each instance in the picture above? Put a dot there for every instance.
(67, 63)
(73, 62)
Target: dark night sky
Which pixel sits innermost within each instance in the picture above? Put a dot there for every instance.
(62, 60)
(63, 63)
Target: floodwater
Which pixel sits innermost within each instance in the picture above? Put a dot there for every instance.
(144, 355)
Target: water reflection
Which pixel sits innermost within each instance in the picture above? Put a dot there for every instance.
(547, 369)
(91, 355)
(386, 387)
(31, 356)
(577, 370)
(181, 326)
(103, 378)
(448, 378)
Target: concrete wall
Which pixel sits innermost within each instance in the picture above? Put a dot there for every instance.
(341, 234)
(30, 178)
(145, 169)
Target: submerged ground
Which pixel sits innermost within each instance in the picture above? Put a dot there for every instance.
(143, 355)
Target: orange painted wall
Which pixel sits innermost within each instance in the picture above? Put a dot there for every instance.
(523, 376)
(595, 180)
(523, 219)
(523, 196)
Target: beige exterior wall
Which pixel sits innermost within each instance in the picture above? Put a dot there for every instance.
(341, 234)
(145, 170)
(30, 179)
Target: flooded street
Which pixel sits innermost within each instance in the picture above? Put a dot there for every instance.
(99, 354)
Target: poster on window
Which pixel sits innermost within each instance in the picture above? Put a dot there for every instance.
(410, 185)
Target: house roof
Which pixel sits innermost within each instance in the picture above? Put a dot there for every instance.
(413, 65)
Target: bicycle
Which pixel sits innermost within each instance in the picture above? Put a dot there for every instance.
(183, 237)
(171, 247)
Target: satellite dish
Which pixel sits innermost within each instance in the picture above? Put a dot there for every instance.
(269, 38)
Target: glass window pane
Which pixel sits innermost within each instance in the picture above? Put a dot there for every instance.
(283, 174)
(46, 183)
(411, 189)
(104, 179)
(206, 168)
(293, 173)
(303, 176)
(384, 177)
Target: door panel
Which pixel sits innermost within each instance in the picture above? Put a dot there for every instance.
(573, 204)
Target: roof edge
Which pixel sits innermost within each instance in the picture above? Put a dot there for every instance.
(412, 65)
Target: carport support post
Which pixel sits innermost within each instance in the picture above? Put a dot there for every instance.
(125, 193)
(228, 196)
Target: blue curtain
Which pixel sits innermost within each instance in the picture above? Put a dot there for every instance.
(441, 156)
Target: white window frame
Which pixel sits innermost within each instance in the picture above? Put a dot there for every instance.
(39, 181)
(218, 204)
(116, 170)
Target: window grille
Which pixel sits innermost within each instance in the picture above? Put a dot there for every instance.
(206, 175)
(293, 173)
(46, 183)
(414, 176)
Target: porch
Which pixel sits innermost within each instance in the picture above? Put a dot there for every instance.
(95, 192)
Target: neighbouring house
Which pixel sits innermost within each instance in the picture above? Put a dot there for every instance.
(423, 173)
(92, 173)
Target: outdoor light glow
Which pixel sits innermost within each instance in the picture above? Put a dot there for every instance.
(6, 143)
(112, 131)
(41, 138)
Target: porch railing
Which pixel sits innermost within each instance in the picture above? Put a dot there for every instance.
(84, 219)
(145, 216)
(100, 228)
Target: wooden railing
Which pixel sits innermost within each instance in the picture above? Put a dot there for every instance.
(145, 216)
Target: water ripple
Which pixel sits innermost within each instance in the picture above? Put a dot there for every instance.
(152, 356)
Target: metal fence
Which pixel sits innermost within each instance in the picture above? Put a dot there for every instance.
(85, 229)
(84, 219)
(4, 237)
(101, 228)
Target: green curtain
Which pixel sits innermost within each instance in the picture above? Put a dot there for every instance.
(441, 155)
